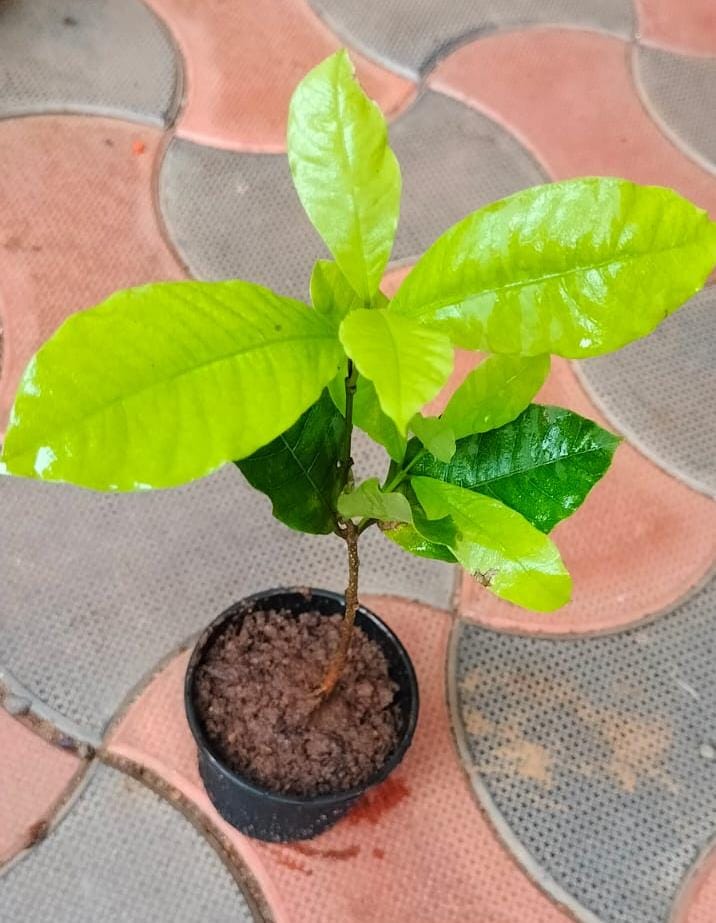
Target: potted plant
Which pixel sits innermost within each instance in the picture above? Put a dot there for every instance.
(301, 699)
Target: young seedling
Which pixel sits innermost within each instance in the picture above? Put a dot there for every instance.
(163, 384)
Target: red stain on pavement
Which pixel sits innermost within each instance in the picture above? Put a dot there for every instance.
(375, 804)
(349, 852)
(378, 853)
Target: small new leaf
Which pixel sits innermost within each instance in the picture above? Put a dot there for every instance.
(368, 500)
(331, 295)
(368, 414)
(436, 434)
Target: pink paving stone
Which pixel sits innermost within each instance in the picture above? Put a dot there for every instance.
(77, 222)
(419, 843)
(697, 903)
(243, 61)
(678, 25)
(34, 776)
(641, 540)
(570, 98)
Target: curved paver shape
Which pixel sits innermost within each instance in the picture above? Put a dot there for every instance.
(680, 91)
(688, 26)
(97, 588)
(237, 215)
(697, 901)
(411, 34)
(591, 751)
(661, 392)
(107, 57)
(122, 854)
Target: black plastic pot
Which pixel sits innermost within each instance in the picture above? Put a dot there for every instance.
(259, 812)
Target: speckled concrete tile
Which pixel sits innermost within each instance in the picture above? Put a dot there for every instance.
(243, 61)
(411, 34)
(122, 854)
(687, 25)
(679, 91)
(591, 754)
(570, 97)
(641, 541)
(660, 392)
(77, 222)
(97, 588)
(235, 214)
(417, 848)
(107, 57)
(34, 778)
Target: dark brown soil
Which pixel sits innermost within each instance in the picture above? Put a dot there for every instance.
(255, 694)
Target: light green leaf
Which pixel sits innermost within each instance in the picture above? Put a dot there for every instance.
(331, 294)
(299, 470)
(498, 546)
(577, 268)
(436, 434)
(346, 175)
(409, 539)
(165, 383)
(368, 415)
(543, 464)
(407, 364)
(369, 500)
(494, 393)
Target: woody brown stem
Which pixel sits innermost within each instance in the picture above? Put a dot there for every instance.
(338, 661)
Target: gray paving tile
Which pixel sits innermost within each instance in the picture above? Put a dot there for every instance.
(96, 588)
(680, 90)
(591, 754)
(661, 392)
(237, 215)
(410, 34)
(122, 855)
(108, 57)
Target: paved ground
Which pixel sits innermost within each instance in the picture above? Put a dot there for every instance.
(570, 771)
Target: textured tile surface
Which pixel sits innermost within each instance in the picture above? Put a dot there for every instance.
(639, 543)
(660, 392)
(410, 34)
(688, 25)
(243, 61)
(77, 222)
(122, 854)
(418, 849)
(680, 90)
(34, 777)
(591, 752)
(237, 214)
(107, 57)
(83, 620)
(570, 97)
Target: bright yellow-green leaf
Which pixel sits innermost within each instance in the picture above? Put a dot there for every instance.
(165, 383)
(369, 500)
(576, 268)
(331, 294)
(368, 415)
(408, 364)
(346, 175)
(494, 393)
(498, 546)
(436, 434)
(409, 539)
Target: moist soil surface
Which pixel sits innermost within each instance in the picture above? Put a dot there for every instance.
(255, 694)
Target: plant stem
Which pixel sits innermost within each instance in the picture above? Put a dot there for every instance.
(338, 661)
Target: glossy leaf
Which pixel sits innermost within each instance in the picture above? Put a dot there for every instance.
(577, 268)
(494, 393)
(370, 501)
(165, 383)
(368, 414)
(543, 464)
(331, 294)
(409, 539)
(436, 434)
(346, 175)
(498, 546)
(408, 364)
(299, 470)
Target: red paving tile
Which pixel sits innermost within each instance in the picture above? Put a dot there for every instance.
(679, 25)
(77, 222)
(697, 903)
(418, 843)
(34, 777)
(243, 61)
(569, 96)
(640, 541)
